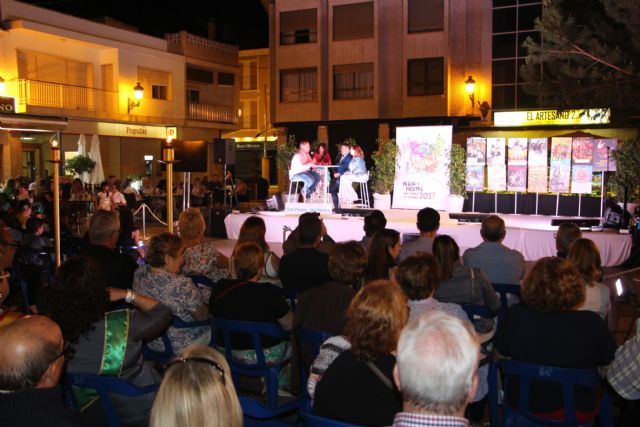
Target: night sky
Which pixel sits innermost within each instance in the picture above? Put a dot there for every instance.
(241, 22)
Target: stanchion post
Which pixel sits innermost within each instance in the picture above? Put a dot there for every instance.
(144, 222)
(55, 160)
(168, 157)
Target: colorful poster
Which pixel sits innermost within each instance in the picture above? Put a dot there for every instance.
(495, 151)
(582, 151)
(476, 151)
(422, 167)
(538, 152)
(496, 177)
(561, 149)
(582, 179)
(602, 155)
(517, 153)
(517, 178)
(475, 178)
(559, 177)
(537, 178)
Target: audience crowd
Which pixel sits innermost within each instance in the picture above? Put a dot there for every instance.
(402, 349)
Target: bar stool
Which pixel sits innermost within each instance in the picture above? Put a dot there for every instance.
(363, 182)
(294, 193)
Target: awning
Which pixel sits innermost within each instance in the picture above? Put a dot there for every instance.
(32, 123)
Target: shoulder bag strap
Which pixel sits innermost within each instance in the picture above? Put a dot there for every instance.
(267, 260)
(229, 289)
(382, 376)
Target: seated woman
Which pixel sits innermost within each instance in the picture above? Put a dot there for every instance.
(357, 386)
(585, 256)
(321, 157)
(254, 230)
(201, 377)
(383, 251)
(357, 173)
(461, 284)
(103, 198)
(551, 330)
(79, 303)
(161, 279)
(200, 256)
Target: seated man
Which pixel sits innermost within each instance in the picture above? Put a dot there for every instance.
(435, 371)
(293, 241)
(306, 267)
(428, 224)
(623, 371)
(567, 233)
(301, 169)
(500, 264)
(343, 166)
(31, 361)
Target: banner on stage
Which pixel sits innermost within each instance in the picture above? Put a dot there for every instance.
(422, 167)
(537, 179)
(538, 152)
(582, 151)
(517, 177)
(496, 177)
(517, 154)
(476, 151)
(475, 178)
(581, 179)
(560, 164)
(602, 155)
(496, 170)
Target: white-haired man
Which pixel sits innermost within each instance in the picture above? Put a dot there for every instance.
(436, 371)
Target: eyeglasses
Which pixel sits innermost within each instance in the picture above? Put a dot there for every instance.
(209, 362)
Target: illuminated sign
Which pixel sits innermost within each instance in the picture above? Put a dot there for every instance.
(552, 117)
(133, 131)
(7, 104)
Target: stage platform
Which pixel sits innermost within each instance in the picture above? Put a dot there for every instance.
(532, 235)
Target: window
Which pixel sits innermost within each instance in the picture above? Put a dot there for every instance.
(48, 68)
(353, 81)
(226, 79)
(158, 81)
(425, 77)
(193, 96)
(199, 75)
(298, 85)
(425, 15)
(353, 21)
(299, 26)
(250, 75)
(250, 115)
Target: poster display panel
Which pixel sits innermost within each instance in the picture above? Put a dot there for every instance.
(517, 151)
(517, 178)
(475, 178)
(602, 155)
(476, 151)
(560, 165)
(496, 177)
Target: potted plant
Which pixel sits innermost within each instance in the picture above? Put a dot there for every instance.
(383, 174)
(627, 174)
(79, 164)
(284, 154)
(457, 176)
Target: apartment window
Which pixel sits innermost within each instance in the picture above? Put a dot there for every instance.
(193, 96)
(352, 81)
(353, 21)
(425, 15)
(250, 75)
(425, 77)
(199, 75)
(48, 68)
(298, 26)
(158, 81)
(300, 85)
(226, 79)
(250, 114)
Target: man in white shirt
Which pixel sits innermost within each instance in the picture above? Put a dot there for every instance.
(301, 169)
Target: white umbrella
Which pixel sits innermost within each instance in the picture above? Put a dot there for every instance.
(97, 175)
(82, 151)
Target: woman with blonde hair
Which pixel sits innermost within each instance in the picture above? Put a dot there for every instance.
(200, 256)
(585, 256)
(357, 173)
(206, 396)
(253, 230)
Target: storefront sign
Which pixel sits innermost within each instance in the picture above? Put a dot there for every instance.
(135, 131)
(552, 117)
(7, 104)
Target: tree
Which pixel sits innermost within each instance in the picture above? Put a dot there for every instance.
(588, 56)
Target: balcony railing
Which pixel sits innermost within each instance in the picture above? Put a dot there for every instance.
(212, 113)
(69, 97)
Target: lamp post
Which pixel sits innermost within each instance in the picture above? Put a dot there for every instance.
(55, 160)
(138, 92)
(470, 88)
(168, 157)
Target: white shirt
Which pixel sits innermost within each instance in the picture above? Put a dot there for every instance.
(117, 199)
(301, 162)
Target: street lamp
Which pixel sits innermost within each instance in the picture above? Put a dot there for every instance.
(470, 88)
(168, 157)
(137, 96)
(55, 160)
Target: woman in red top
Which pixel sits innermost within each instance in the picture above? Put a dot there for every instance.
(322, 156)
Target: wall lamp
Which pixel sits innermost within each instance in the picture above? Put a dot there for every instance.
(137, 96)
(470, 88)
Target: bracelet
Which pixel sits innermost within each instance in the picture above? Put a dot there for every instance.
(131, 296)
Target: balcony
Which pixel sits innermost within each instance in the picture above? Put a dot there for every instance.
(212, 113)
(81, 100)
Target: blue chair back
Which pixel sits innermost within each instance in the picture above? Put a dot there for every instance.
(310, 420)
(103, 386)
(267, 370)
(169, 352)
(200, 280)
(504, 290)
(525, 373)
(309, 342)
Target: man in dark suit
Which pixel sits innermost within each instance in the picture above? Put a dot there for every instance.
(343, 166)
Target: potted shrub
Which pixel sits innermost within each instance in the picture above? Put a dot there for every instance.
(627, 174)
(383, 174)
(457, 176)
(79, 164)
(284, 154)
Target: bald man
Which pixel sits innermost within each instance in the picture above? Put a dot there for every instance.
(31, 362)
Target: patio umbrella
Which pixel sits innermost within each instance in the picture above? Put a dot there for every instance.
(97, 174)
(82, 151)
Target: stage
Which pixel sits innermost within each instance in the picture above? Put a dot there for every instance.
(532, 235)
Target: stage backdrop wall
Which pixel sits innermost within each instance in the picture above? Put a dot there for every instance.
(422, 167)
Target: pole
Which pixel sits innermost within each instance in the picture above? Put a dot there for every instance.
(168, 158)
(55, 160)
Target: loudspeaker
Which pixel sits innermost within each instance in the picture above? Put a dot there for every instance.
(224, 151)
(216, 222)
(580, 222)
(275, 203)
(469, 217)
